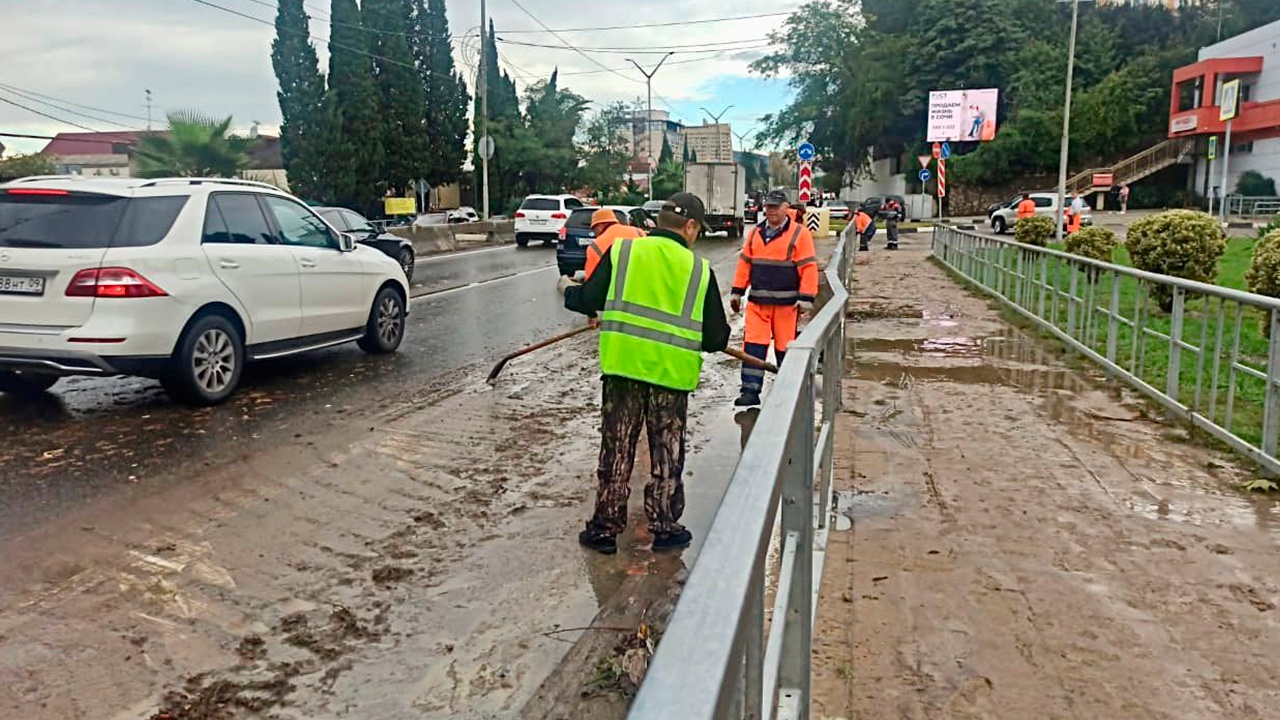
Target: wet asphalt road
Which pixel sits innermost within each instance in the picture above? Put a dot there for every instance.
(91, 437)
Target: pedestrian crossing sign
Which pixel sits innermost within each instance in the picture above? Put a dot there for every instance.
(1213, 147)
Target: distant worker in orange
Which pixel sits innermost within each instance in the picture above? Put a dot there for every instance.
(604, 223)
(865, 225)
(780, 267)
(1026, 207)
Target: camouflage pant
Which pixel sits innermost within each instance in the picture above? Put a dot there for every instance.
(627, 405)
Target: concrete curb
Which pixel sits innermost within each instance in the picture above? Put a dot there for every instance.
(441, 239)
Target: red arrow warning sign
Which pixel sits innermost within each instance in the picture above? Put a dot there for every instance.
(806, 181)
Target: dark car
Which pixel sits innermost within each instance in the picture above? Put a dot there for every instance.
(993, 207)
(875, 206)
(576, 235)
(394, 246)
(839, 210)
(750, 211)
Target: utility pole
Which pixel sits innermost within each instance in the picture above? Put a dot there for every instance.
(648, 118)
(1066, 116)
(483, 142)
(148, 110)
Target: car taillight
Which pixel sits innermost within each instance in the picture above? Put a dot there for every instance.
(519, 215)
(559, 216)
(112, 282)
(564, 233)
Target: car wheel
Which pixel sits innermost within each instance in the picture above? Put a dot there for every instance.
(406, 262)
(23, 383)
(385, 330)
(999, 225)
(522, 241)
(207, 364)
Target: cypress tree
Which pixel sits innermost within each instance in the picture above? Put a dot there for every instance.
(445, 94)
(355, 158)
(399, 85)
(666, 155)
(301, 98)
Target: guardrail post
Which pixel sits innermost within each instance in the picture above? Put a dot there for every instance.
(1072, 288)
(1175, 343)
(1271, 403)
(797, 517)
(1113, 326)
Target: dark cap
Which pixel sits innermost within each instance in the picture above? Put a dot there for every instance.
(687, 205)
(777, 197)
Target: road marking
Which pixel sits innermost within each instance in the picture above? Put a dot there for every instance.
(474, 285)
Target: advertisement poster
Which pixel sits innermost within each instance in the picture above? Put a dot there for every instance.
(963, 115)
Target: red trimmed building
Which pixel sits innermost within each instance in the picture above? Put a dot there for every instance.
(1254, 59)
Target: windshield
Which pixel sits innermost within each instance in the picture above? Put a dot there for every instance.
(78, 221)
(580, 219)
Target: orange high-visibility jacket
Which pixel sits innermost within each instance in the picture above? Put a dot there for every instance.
(781, 271)
(861, 221)
(1026, 208)
(600, 246)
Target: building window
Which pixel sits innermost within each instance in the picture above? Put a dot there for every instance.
(1242, 148)
(1187, 95)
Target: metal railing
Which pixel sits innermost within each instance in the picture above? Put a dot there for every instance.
(1209, 354)
(1246, 206)
(714, 660)
(1146, 163)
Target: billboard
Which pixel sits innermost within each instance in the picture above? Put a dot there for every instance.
(962, 115)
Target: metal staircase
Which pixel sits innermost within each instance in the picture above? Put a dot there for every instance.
(1128, 171)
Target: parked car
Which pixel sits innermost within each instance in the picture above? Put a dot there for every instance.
(1012, 203)
(576, 235)
(540, 217)
(875, 206)
(179, 279)
(1046, 204)
(839, 210)
(750, 212)
(653, 207)
(395, 247)
(464, 215)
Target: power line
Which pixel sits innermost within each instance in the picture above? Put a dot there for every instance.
(683, 49)
(32, 93)
(331, 22)
(77, 113)
(570, 45)
(649, 25)
(45, 115)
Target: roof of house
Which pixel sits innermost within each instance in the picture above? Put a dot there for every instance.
(266, 153)
(90, 143)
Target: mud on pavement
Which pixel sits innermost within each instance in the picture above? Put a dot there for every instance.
(417, 566)
(1028, 541)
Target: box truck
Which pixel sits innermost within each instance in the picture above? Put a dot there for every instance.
(723, 189)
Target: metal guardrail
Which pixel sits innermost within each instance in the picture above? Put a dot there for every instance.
(1198, 355)
(1252, 206)
(714, 660)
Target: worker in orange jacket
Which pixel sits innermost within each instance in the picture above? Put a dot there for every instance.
(780, 267)
(604, 223)
(1026, 208)
(865, 225)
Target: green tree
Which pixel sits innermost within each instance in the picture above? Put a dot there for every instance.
(605, 153)
(354, 160)
(666, 155)
(301, 98)
(18, 166)
(195, 145)
(444, 92)
(553, 116)
(404, 138)
(513, 145)
(668, 180)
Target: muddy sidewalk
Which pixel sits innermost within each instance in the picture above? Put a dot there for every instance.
(1028, 542)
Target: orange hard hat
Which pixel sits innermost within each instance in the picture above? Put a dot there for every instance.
(603, 216)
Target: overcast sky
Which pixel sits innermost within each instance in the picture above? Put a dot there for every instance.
(104, 54)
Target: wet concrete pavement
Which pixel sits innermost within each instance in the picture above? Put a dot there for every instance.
(1028, 538)
(350, 537)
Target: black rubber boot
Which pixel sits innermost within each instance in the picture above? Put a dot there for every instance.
(598, 541)
(747, 399)
(672, 541)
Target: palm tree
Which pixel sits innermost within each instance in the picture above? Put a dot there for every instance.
(195, 145)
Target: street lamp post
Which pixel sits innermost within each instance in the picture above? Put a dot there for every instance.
(714, 116)
(648, 118)
(1066, 115)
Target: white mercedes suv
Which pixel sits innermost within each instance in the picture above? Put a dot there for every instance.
(180, 279)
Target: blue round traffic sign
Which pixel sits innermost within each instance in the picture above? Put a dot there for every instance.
(925, 175)
(946, 151)
(807, 151)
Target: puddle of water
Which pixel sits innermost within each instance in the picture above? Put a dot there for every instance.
(856, 505)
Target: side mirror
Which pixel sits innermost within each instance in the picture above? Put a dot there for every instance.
(346, 242)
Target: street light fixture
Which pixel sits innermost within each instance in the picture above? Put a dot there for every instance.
(648, 118)
(1066, 115)
(715, 117)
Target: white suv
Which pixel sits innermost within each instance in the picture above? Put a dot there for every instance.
(181, 279)
(540, 217)
(1046, 205)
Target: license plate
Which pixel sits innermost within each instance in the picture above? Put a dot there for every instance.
(21, 285)
(536, 221)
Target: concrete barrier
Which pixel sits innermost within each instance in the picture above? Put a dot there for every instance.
(437, 239)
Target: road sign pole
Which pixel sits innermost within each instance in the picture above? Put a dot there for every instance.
(1226, 168)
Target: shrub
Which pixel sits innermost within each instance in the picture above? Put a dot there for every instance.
(1094, 243)
(1269, 228)
(1034, 230)
(1254, 184)
(1182, 243)
(1263, 276)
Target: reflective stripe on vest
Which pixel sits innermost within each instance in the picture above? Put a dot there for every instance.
(774, 281)
(651, 328)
